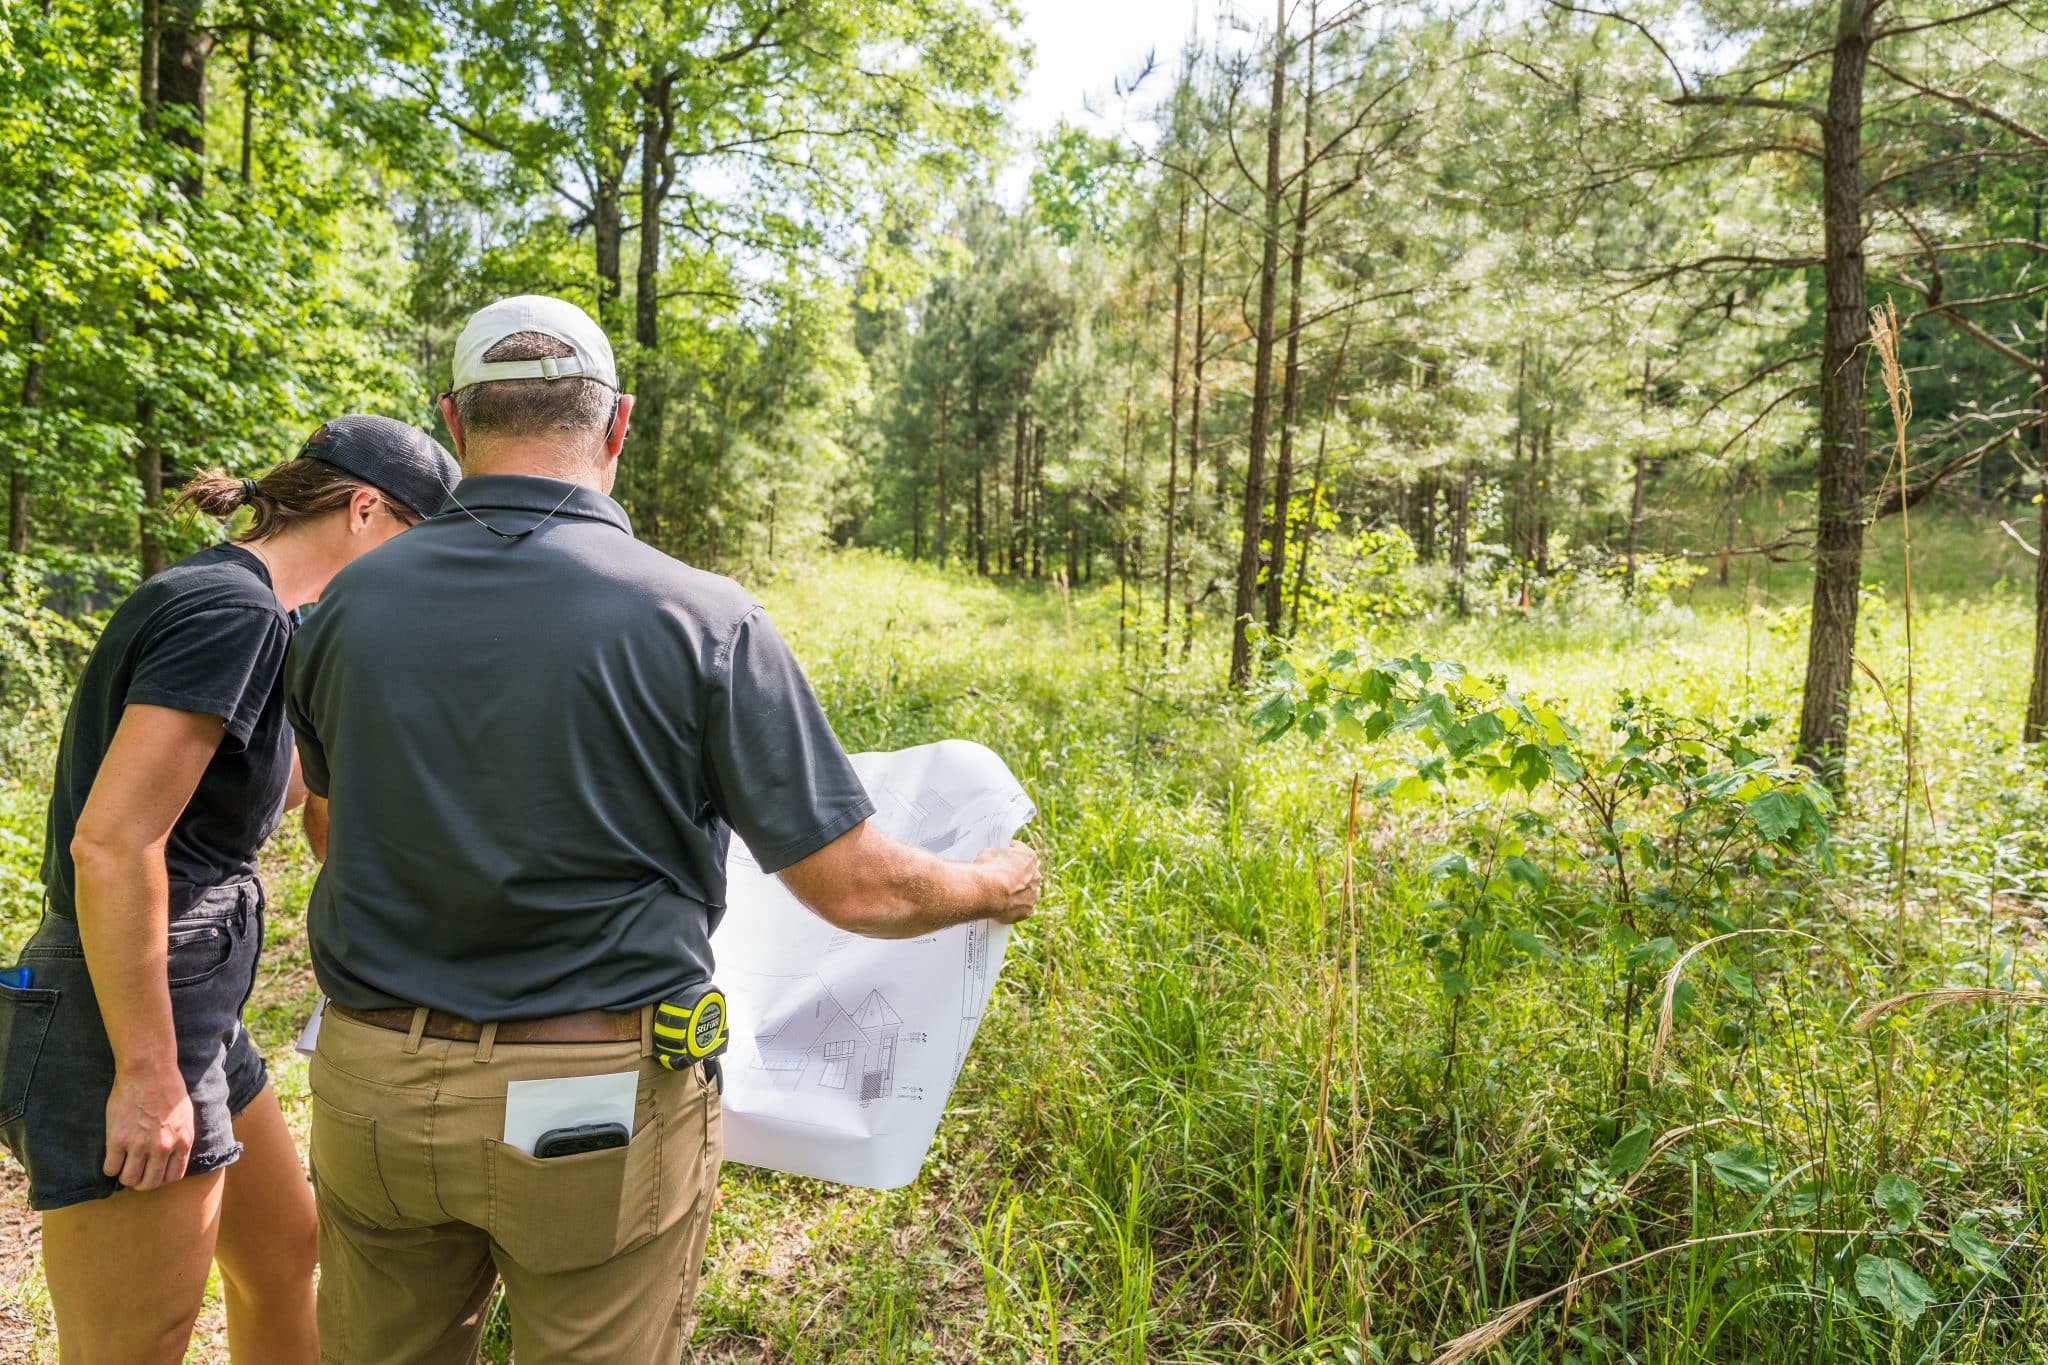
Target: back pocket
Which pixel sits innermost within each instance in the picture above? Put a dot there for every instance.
(343, 1152)
(25, 1017)
(572, 1212)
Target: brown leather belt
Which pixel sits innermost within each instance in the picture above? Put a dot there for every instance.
(585, 1026)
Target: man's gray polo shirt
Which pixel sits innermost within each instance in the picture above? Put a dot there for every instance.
(535, 751)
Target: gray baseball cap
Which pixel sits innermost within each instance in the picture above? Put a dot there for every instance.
(398, 460)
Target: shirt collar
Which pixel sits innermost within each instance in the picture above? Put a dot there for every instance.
(537, 495)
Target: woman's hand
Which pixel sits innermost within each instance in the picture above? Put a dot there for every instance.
(149, 1127)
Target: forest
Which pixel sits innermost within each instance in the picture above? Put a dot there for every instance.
(1502, 537)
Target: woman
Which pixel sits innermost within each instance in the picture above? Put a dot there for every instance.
(130, 1090)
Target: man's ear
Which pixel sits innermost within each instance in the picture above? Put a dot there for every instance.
(452, 420)
(615, 434)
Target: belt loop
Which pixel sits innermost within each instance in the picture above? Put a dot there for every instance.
(486, 1040)
(647, 1030)
(417, 1031)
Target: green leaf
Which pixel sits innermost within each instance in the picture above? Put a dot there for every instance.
(1901, 1199)
(1450, 865)
(1738, 981)
(1742, 1168)
(1809, 1197)
(1522, 941)
(1891, 1284)
(1521, 870)
(1630, 1151)
(1275, 716)
(1775, 814)
(1455, 983)
(1968, 1243)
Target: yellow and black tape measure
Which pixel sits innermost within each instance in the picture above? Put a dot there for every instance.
(690, 1028)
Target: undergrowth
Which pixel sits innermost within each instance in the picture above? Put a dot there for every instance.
(1218, 1112)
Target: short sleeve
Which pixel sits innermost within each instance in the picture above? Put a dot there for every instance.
(778, 774)
(221, 661)
(298, 674)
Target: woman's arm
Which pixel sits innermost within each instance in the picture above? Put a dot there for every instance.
(315, 821)
(153, 765)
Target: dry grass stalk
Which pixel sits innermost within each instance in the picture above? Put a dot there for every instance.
(1949, 995)
(1671, 987)
(1884, 338)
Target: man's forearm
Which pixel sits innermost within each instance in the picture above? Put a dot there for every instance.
(123, 915)
(912, 892)
(869, 884)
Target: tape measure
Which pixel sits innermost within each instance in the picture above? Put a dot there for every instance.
(690, 1028)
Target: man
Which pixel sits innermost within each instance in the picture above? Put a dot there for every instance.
(535, 735)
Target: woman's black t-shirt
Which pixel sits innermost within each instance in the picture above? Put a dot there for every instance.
(206, 635)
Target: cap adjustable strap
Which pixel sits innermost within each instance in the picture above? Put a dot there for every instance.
(542, 367)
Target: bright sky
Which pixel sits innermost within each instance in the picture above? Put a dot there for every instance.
(1081, 48)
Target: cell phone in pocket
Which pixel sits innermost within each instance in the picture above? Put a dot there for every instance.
(583, 1137)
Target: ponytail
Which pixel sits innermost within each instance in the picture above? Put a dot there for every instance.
(212, 493)
(296, 491)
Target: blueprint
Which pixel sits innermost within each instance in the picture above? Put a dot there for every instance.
(844, 1049)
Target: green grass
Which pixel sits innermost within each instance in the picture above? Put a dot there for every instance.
(1184, 1133)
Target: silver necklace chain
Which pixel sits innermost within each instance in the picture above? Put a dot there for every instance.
(512, 535)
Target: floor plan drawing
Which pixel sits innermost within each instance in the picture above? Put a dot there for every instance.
(845, 1049)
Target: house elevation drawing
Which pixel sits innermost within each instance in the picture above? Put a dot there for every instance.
(828, 1049)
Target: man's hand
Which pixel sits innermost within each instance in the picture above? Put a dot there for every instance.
(1013, 872)
(149, 1127)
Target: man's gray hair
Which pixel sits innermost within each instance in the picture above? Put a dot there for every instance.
(533, 407)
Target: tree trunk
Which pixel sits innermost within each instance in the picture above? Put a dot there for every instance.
(1017, 490)
(2037, 695)
(1461, 521)
(249, 110)
(1728, 545)
(1838, 542)
(980, 529)
(1290, 392)
(182, 50)
(657, 121)
(1635, 498)
(939, 458)
(175, 47)
(1308, 530)
(1180, 242)
(1037, 501)
(149, 468)
(17, 473)
(608, 228)
(1250, 514)
(1187, 573)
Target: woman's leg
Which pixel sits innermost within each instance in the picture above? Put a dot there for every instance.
(269, 1242)
(127, 1274)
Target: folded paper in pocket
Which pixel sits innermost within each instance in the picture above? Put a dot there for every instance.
(534, 1107)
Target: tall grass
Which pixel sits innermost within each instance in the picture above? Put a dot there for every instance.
(1171, 1144)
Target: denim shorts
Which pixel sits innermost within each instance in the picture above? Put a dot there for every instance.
(58, 1066)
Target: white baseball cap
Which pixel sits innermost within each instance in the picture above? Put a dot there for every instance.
(557, 318)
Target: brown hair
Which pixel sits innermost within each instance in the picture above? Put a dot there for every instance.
(533, 407)
(296, 491)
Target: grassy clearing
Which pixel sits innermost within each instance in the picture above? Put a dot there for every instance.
(1211, 1116)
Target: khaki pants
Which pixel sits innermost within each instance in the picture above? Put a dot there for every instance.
(423, 1208)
